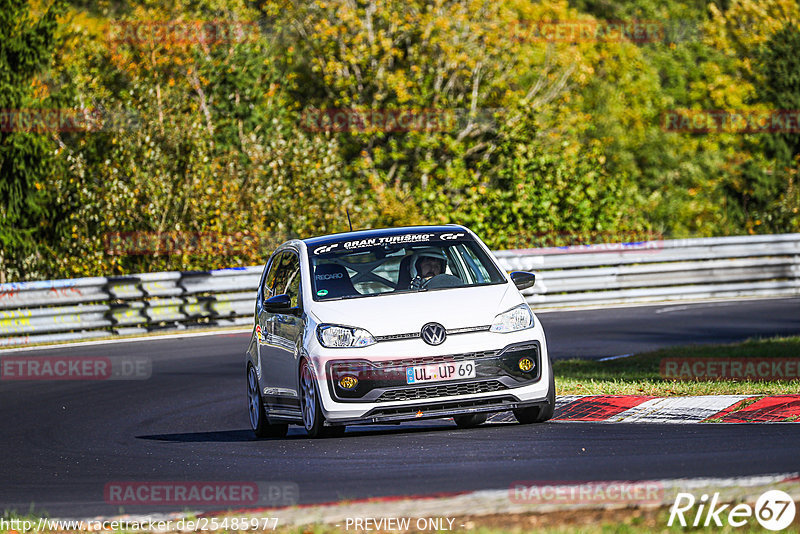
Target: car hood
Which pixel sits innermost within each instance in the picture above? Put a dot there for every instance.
(403, 313)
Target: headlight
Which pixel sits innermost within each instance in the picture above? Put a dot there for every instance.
(335, 336)
(518, 318)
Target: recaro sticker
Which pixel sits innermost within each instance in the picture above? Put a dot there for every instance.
(331, 276)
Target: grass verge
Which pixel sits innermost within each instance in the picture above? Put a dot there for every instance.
(641, 374)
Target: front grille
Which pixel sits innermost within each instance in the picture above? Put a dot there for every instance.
(395, 337)
(428, 392)
(430, 360)
(450, 332)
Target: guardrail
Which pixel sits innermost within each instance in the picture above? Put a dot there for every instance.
(650, 271)
(647, 271)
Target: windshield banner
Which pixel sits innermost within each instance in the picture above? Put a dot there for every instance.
(404, 239)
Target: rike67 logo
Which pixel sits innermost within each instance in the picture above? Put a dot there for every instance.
(774, 510)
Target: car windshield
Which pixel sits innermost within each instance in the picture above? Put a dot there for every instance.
(353, 268)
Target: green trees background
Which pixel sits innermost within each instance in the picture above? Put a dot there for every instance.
(203, 131)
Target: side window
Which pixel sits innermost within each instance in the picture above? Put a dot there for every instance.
(279, 282)
(293, 280)
(287, 277)
(476, 267)
(269, 280)
(453, 267)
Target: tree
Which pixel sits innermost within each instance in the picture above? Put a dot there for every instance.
(466, 64)
(542, 194)
(761, 38)
(779, 69)
(212, 154)
(30, 215)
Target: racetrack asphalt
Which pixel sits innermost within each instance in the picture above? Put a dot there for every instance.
(63, 442)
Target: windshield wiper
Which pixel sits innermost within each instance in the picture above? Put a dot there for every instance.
(395, 292)
(345, 297)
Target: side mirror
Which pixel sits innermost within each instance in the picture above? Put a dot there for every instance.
(523, 279)
(278, 304)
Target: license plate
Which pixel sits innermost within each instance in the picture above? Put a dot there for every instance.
(439, 372)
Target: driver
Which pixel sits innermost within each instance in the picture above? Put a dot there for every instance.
(427, 264)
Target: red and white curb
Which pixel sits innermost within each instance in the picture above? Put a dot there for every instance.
(697, 409)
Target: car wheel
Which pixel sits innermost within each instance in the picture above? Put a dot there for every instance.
(539, 414)
(470, 421)
(313, 420)
(258, 416)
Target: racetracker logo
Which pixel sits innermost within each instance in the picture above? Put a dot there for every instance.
(731, 121)
(74, 368)
(589, 242)
(219, 493)
(180, 243)
(590, 238)
(730, 368)
(543, 492)
(589, 31)
(183, 32)
(65, 120)
(397, 120)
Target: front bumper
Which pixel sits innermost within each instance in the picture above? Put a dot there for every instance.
(384, 396)
(385, 381)
(439, 409)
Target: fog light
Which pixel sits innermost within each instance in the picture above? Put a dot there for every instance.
(348, 382)
(525, 364)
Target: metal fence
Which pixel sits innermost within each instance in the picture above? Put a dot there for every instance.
(648, 271)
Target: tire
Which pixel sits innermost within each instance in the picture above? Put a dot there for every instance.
(258, 416)
(539, 414)
(313, 420)
(470, 421)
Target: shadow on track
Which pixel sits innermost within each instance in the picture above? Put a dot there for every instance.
(221, 436)
(295, 433)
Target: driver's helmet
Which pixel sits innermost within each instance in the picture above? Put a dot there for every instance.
(432, 252)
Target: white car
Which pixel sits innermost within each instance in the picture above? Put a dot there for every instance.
(384, 326)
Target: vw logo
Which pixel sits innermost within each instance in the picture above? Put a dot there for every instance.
(433, 334)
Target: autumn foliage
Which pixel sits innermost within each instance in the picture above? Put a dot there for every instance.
(520, 119)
